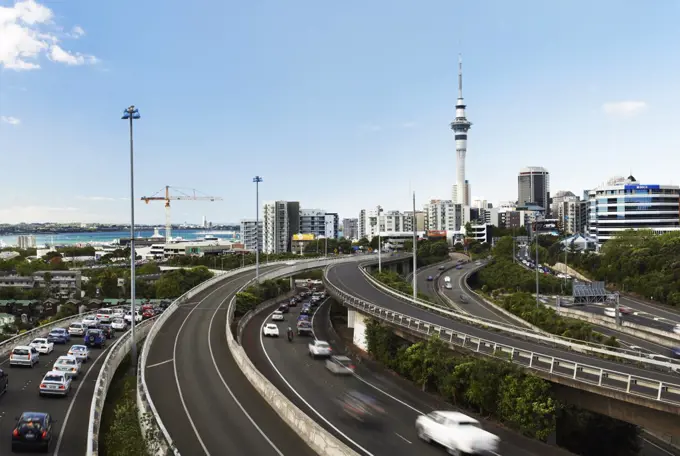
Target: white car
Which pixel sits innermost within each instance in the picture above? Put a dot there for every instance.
(270, 329)
(118, 313)
(23, 355)
(277, 316)
(340, 365)
(104, 315)
(69, 365)
(128, 316)
(80, 352)
(91, 320)
(456, 432)
(55, 383)
(77, 329)
(118, 324)
(42, 345)
(319, 348)
(676, 329)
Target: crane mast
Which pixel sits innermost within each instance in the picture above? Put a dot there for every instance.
(167, 196)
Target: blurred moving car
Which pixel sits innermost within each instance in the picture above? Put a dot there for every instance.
(456, 432)
(319, 348)
(430, 278)
(362, 407)
(33, 430)
(340, 365)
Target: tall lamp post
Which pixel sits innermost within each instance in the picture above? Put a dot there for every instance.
(131, 114)
(379, 242)
(257, 180)
(415, 250)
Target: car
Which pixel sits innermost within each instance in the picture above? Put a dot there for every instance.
(32, 431)
(42, 345)
(69, 365)
(340, 365)
(430, 278)
(128, 317)
(610, 312)
(319, 348)
(271, 330)
(625, 310)
(117, 313)
(4, 382)
(277, 316)
(95, 338)
(148, 313)
(80, 352)
(448, 286)
(441, 268)
(283, 308)
(306, 311)
(91, 321)
(459, 267)
(676, 352)
(59, 336)
(303, 317)
(76, 329)
(676, 329)
(456, 432)
(55, 383)
(118, 324)
(293, 302)
(23, 355)
(362, 407)
(107, 329)
(104, 315)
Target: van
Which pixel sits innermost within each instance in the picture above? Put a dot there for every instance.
(23, 355)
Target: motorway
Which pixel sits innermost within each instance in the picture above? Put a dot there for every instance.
(204, 400)
(314, 389)
(349, 278)
(72, 413)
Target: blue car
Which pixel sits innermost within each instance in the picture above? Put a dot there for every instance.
(59, 336)
(303, 318)
(676, 352)
(95, 338)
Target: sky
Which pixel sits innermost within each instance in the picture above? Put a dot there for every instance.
(340, 106)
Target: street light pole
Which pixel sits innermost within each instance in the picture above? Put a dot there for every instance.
(536, 267)
(257, 180)
(415, 249)
(131, 114)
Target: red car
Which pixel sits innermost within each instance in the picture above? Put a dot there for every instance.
(625, 310)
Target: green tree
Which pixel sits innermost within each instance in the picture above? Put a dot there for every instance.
(168, 287)
(526, 403)
(504, 248)
(108, 284)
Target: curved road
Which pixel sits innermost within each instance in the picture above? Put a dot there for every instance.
(349, 278)
(203, 398)
(72, 413)
(313, 388)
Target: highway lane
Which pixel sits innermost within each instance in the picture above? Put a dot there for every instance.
(72, 413)
(203, 398)
(313, 388)
(349, 277)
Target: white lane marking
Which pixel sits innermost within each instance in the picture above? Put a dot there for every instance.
(161, 363)
(174, 356)
(403, 438)
(73, 400)
(231, 393)
(657, 446)
(309, 406)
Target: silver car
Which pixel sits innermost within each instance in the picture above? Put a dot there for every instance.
(340, 365)
(80, 352)
(69, 365)
(55, 383)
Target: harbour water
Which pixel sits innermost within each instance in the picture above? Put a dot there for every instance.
(107, 237)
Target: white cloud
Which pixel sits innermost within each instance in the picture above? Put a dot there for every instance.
(624, 108)
(10, 120)
(77, 31)
(28, 31)
(19, 214)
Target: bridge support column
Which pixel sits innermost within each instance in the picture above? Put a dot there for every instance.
(292, 283)
(357, 322)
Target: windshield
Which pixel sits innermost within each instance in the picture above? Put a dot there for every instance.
(39, 341)
(469, 424)
(53, 378)
(79, 348)
(322, 344)
(272, 326)
(68, 362)
(20, 351)
(76, 325)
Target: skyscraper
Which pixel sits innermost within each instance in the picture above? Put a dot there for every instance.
(533, 186)
(460, 127)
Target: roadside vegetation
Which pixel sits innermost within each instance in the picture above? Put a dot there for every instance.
(254, 295)
(500, 390)
(393, 280)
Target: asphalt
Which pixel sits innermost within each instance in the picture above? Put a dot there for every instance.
(202, 376)
(314, 389)
(72, 413)
(349, 278)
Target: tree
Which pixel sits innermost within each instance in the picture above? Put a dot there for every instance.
(168, 287)
(468, 229)
(108, 284)
(364, 242)
(504, 247)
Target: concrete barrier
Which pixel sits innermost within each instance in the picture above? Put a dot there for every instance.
(320, 440)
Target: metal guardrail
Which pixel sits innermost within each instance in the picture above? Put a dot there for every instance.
(585, 347)
(580, 372)
(150, 420)
(118, 351)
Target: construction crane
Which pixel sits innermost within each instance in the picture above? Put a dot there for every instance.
(179, 196)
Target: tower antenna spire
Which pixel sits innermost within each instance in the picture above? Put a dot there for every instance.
(460, 76)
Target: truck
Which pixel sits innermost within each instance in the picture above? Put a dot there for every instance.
(304, 327)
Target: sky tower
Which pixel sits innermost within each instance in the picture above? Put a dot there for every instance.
(460, 127)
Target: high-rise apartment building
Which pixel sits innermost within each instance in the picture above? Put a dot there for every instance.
(26, 241)
(373, 221)
(440, 215)
(251, 234)
(420, 221)
(533, 187)
(350, 228)
(280, 220)
(319, 223)
(625, 204)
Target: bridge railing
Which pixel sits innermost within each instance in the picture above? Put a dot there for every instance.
(605, 378)
(585, 347)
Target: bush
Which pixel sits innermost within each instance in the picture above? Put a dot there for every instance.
(121, 434)
(254, 295)
(503, 274)
(397, 282)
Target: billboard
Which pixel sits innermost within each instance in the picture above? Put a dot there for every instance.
(436, 234)
(304, 237)
(546, 226)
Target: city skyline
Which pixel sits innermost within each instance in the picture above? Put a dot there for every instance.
(584, 102)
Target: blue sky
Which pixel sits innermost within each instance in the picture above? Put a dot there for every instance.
(341, 106)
